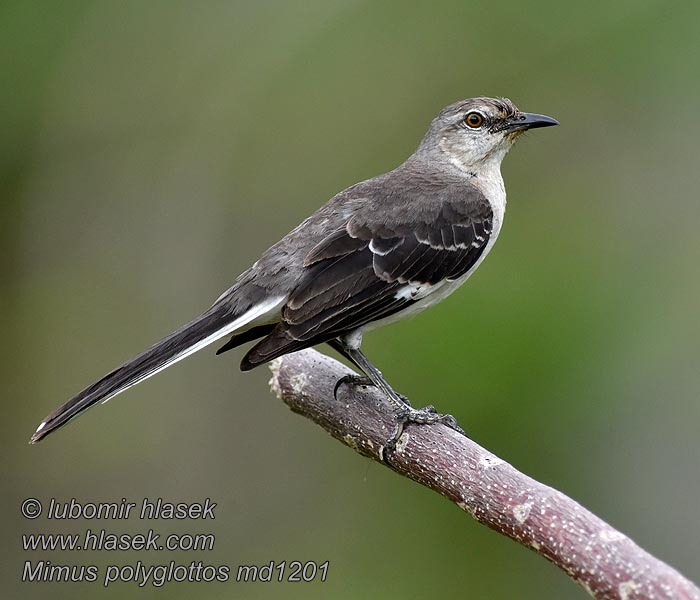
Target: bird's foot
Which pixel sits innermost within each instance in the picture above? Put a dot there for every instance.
(351, 380)
(403, 412)
(361, 380)
(421, 416)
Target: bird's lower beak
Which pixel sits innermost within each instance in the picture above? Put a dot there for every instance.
(525, 121)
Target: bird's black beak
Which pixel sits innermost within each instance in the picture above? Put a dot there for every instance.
(525, 121)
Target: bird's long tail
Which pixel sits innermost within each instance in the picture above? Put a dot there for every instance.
(215, 323)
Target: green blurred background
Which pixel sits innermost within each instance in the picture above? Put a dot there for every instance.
(149, 151)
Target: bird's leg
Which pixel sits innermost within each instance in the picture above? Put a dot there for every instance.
(403, 411)
(352, 379)
(372, 375)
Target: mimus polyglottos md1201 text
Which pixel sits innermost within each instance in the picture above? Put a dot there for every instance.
(378, 251)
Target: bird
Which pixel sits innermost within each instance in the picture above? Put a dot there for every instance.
(381, 250)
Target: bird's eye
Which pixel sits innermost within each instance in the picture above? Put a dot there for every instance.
(474, 120)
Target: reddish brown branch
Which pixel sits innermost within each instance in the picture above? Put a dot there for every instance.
(602, 560)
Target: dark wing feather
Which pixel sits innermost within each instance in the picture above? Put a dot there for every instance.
(336, 245)
(354, 275)
(251, 334)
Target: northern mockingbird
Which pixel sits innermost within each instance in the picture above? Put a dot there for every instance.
(379, 251)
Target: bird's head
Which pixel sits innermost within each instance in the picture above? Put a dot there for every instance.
(479, 131)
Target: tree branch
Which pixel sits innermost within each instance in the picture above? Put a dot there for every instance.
(605, 562)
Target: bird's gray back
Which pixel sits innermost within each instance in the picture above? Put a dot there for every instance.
(414, 191)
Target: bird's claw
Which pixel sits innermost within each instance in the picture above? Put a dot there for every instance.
(350, 379)
(353, 379)
(421, 416)
(404, 415)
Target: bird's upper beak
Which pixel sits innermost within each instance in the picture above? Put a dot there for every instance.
(525, 121)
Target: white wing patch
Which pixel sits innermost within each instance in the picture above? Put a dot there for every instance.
(416, 290)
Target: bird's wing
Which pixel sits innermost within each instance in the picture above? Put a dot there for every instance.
(373, 267)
